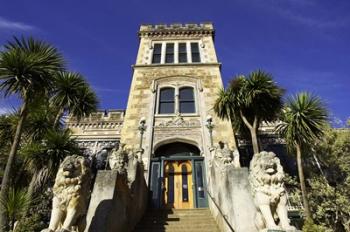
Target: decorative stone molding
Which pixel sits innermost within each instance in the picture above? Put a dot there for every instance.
(179, 121)
(176, 29)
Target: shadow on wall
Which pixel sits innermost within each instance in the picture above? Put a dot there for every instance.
(123, 208)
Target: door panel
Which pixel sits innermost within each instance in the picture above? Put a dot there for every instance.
(178, 182)
(200, 186)
(155, 181)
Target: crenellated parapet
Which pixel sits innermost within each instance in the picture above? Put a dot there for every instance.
(148, 30)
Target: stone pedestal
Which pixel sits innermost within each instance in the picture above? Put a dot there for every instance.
(115, 204)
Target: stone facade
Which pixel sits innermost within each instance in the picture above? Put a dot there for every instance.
(98, 131)
(148, 79)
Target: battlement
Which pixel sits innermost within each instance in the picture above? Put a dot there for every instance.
(99, 116)
(205, 28)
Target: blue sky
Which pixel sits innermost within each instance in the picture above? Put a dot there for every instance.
(303, 43)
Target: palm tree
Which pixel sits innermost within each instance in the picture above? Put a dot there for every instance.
(69, 89)
(43, 158)
(26, 68)
(304, 117)
(250, 101)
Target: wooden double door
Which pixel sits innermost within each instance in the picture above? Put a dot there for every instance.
(178, 184)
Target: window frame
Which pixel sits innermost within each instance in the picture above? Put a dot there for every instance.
(197, 52)
(177, 100)
(166, 101)
(176, 52)
(193, 100)
(160, 54)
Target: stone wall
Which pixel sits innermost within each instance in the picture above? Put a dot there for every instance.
(230, 191)
(113, 205)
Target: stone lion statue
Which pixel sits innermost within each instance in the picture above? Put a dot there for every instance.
(266, 180)
(71, 192)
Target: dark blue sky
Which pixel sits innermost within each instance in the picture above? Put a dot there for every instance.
(305, 44)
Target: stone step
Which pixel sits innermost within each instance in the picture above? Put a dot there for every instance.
(176, 220)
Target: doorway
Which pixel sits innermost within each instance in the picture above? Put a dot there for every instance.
(177, 177)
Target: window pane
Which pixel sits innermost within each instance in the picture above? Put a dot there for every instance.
(157, 51)
(166, 107)
(182, 48)
(194, 47)
(199, 177)
(182, 58)
(187, 107)
(169, 48)
(186, 100)
(195, 52)
(169, 57)
(167, 101)
(156, 58)
(171, 184)
(167, 94)
(186, 94)
(184, 183)
(196, 58)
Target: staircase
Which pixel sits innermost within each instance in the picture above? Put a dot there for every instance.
(177, 220)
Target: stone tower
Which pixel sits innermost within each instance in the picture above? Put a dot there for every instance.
(174, 86)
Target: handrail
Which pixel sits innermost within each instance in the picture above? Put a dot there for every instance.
(220, 211)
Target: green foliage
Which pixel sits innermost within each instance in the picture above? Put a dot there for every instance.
(310, 226)
(73, 94)
(26, 66)
(329, 187)
(43, 158)
(304, 117)
(254, 96)
(15, 204)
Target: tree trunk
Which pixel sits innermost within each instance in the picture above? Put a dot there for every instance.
(6, 178)
(253, 131)
(254, 140)
(57, 119)
(302, 184)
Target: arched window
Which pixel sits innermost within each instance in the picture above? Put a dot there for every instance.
(167, 101)
(186, 100)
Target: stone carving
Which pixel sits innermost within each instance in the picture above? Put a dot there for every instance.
(71, 193)
(125, 161)
(266, 181)
(118, 159)
(225, 156)
(179, 121)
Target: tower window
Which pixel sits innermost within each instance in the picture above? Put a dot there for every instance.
(195, 52)
(186, 100)
(182, 53)
(169, 54)
(157, 53)
(167, 101)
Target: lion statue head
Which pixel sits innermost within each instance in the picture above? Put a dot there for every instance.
(266, 173)
(71, 179)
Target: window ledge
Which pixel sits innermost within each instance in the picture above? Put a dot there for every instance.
(174, 115)
(177, 64)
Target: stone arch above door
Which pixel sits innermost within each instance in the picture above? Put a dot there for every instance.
(188, 144)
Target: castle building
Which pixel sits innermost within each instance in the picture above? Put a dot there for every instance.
(170, 123)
